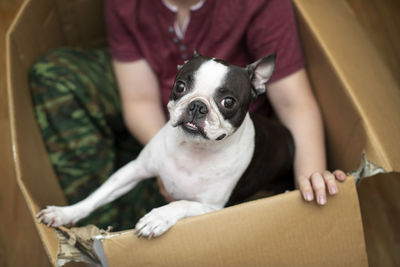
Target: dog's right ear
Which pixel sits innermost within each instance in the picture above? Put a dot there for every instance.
(260, 72)
(179, 67)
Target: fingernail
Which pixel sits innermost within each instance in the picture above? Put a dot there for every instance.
(334, 190)
(308, 196)
(321, 200)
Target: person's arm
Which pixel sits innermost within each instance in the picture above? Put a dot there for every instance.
(296, 106)
(141, 103)
(140, 98)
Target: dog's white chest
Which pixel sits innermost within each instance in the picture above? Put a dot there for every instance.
(192, 177)
(203, 173)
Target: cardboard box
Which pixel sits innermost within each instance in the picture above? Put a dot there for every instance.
(359, 100)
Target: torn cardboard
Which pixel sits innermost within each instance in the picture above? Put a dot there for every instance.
(366, 169)
(76, 244)
(360, 106)
(69, 252)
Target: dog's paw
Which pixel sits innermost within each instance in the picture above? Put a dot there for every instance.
(155, 223)
(56, 216)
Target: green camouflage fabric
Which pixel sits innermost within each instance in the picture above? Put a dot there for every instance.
(78, 111)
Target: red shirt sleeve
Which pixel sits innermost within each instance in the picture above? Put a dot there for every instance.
(273, 30)
(121, 40)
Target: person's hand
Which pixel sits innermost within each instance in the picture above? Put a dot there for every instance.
(316, 184)
(164, 192)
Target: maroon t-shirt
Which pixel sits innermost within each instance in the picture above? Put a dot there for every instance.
(237, 31)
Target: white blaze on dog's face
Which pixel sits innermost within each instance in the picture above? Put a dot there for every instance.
(210, 98)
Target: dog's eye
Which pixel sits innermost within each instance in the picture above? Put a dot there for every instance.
(180, 87)
(228, 102)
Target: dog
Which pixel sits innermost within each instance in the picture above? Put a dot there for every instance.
(212, 152)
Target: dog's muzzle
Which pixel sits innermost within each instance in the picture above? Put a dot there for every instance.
(197, 110)
(193, 119)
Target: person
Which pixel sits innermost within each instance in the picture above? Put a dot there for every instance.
(200, 24)
(147, 40)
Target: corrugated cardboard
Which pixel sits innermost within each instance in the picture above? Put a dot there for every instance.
(267, 232)
(358, 95)
(360, 105)
(17, 232)
(360, 102)
(380, 206)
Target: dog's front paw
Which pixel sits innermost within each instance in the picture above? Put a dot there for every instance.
(56, 216)
(155, 223)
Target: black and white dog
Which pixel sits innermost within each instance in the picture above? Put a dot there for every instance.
(211, 153)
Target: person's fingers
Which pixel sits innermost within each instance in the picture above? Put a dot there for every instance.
(318, 184)
(330, 182)
(340, 175)
(305, 188)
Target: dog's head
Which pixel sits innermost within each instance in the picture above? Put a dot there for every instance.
(210, 98)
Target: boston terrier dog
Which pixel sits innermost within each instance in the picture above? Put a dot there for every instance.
(212, 152)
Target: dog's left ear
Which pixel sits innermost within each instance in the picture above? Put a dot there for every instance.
(260, 72)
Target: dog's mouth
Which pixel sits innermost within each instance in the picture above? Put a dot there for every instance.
(192, 128)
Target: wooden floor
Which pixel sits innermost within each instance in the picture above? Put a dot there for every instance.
(381, 21)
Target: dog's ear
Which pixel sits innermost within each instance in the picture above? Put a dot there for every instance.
(179, 67)
(260, 72)
(195, 53)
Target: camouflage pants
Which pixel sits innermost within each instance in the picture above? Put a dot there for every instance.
(78, 110)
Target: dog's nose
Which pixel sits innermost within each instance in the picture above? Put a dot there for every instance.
(198, 106)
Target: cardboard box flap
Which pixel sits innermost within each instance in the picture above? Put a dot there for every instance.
(358, 68)
(380, 209)
(276, 231)
(34, 31)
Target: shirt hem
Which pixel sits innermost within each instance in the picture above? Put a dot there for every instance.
(286, 71)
